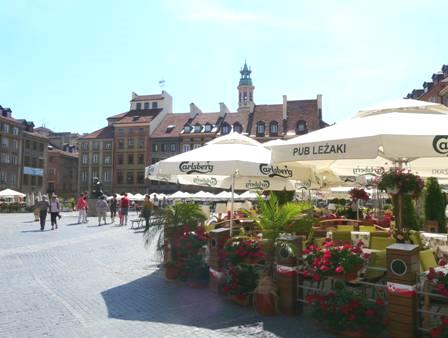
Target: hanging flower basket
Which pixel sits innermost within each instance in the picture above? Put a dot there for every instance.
(401, 181)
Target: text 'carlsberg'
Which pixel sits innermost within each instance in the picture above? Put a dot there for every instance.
(319, 150)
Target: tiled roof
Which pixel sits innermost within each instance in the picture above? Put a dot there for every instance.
(147, 97)
(64, 153)
(139, 116)
(237, 117)
(117, 116)
(434, 91)
(106, 132)
(177, 120)
(302, 110)
(203, 118)
(11, 120)
(268, 113)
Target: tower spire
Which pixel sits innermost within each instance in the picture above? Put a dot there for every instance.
(245, 89)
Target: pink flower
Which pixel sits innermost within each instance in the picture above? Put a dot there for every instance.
(339, 269)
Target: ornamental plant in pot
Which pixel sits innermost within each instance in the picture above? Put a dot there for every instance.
(239, 282)
(435, 204)
(349, 313)
(343, 261)
(265, 296)
(243, 249)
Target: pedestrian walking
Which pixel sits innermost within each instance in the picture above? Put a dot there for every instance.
(81, 205)
(113, 208)
(87, 209)
(54, 211)
(147, 208)
(101, 209)
(124, 207)
(36, 210)
(43, 209)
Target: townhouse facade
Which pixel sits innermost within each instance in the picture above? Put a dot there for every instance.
(62, 172)
(435, 91)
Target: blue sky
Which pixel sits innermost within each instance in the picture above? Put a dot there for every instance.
(71, 63)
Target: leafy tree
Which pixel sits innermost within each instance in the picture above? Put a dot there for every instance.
(435, 203)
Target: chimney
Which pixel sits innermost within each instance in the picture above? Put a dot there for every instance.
(285, 107)
(319, 106)
(194, 110)
(223, 110)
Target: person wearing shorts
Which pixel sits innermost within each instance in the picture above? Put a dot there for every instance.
(124, 206)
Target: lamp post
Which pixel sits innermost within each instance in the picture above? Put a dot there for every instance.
(236, 173)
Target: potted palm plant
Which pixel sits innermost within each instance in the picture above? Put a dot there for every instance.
(273, 219)
(172, 222)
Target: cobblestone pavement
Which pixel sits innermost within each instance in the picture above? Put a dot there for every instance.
(88, 281)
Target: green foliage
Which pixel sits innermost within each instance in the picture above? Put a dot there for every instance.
(240, 280)
(410, 219)
(435, 203)
(170, 220)
(283, 196)
(398, 180)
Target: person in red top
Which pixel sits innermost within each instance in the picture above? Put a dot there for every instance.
(81, 205)
(124, 206)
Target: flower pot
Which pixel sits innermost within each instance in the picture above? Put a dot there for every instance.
(265, 304)
(243, 300)
(347, 276)
(171, 272)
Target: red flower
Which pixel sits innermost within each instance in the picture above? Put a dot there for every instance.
(370, 313)
(339, 269)
(316, 277)
(379, 301)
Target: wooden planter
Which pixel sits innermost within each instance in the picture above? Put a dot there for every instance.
(265, 304)
(243, 300)
(171, 272)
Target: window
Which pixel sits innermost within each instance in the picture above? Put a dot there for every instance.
(146, 105)
(301, 127)
(225, 129)
(34, 144)
(27, 162)
(173, 147)
(154, 105)
(155, 147)
(130, 177)
(85, 158)
(95, 158)
(41, 147)
(130, 158)
(260, 128)
(6, 128)
(130, 143)
(196, 145)
(140, 177)
(237, 128)
(3, 177)
(187, 128)
(139, 106)
(120, 143)
(27, 144)
(197, 128)
(25, 179)
(15, 131)
(95, 172)
(5, 142)
(140, 159)
(208, 127)
(140, 143)
(141, 131)
(13, 159)
(4, 158)
(107, 159)
(14, 145)
(185, 148)
(13, 178)
(273, 128)
(107, 145)
(33, 180)
(96, 145)
(39, 181)
(51, 171)
(120, 158)
(107, 175)
(121, 131)
(120, 177)
(85, 146)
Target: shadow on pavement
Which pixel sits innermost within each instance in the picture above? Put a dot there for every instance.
(152, 298)
(37, 230)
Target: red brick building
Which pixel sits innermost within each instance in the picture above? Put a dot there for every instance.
(62, 172)
(436, 90)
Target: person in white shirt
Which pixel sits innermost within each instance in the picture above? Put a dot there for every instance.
(54, 211)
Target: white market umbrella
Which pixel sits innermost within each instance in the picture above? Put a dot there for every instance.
(202, 196)
(226, 195)
(9, 193)
(403, 106)
(139, 197)
(226, 160)
(179, 195)
(248, 195)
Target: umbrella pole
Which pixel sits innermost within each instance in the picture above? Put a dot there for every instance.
(231, 205)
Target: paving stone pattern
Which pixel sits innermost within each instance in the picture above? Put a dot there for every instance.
(88, 281)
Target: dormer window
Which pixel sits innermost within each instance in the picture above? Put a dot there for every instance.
(273, 128)
(208, 127)
(225, 129)
(301, 127)
(187, 129)
(146, 105)
(154, 105)
(139, 106)
(237, 128)
(260, 128)
(197, 128)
